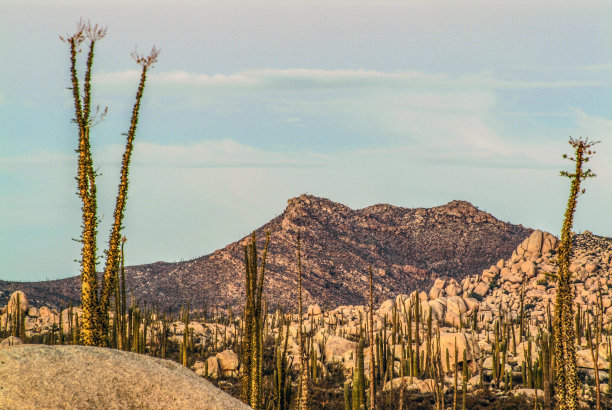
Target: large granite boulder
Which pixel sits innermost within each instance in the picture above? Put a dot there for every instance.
(12, 303)
(83, 377)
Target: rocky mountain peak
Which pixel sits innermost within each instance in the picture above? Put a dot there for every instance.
(405, 247)
(464, 209)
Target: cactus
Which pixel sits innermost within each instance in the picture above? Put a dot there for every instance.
(513, 340)
(609, 366)
(594, 349)
(185, 344)
(409, 340)
(15, 317)
(348, 405)
(456, 386)
(303, 402)
(429, 339)
(522, 315)
(465, 378)
(136, 329)
(530, 366)
(371, 336)
(313, 365)
(417, 339)
(359, 398)
(253, 323)
(282, 400)
(403, 366)
(496, 350)
(578, 326)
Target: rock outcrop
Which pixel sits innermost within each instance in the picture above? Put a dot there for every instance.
(79, 377)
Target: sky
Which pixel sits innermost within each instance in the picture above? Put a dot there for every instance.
(412, 103)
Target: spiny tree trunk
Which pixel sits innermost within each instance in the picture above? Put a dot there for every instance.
(86, 183)
(112, 257)
(95, 307)
(564, 330)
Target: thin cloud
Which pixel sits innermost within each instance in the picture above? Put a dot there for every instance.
(212, 154)
(576, 68)
(596, 127)
(206, 154)
(38, 159)
(301, 78)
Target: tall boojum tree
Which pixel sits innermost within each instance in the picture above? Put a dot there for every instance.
(563, 322)
(94, 303)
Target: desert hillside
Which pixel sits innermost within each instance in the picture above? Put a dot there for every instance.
(498, 322)
(407, 249)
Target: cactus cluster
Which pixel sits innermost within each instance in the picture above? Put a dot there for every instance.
(254, 322)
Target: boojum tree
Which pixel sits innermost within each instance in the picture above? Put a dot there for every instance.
(95, 304)
(563, 322)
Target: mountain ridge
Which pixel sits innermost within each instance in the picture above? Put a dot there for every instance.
(406, 247)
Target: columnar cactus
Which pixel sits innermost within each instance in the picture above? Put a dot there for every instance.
(253, 324)
(304, 395)
(371, 336)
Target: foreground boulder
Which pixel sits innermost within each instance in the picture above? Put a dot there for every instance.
(60, 377)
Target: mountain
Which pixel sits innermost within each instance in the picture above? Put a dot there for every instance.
(407, 248)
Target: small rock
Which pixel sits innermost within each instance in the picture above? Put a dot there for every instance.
(314, 310)
(33, 312)
(44, 312)
(10, 341)
(228, 362)
(435, 293)
(437, 309)
(528, 268)
(529, 392)
(439, 283)
(427, 385)
(481, 289)
(398, 382)
(212, 367)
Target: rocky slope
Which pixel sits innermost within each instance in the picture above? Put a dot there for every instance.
(463, 312)
(405, 247)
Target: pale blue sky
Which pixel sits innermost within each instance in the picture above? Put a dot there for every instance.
(410, 103)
